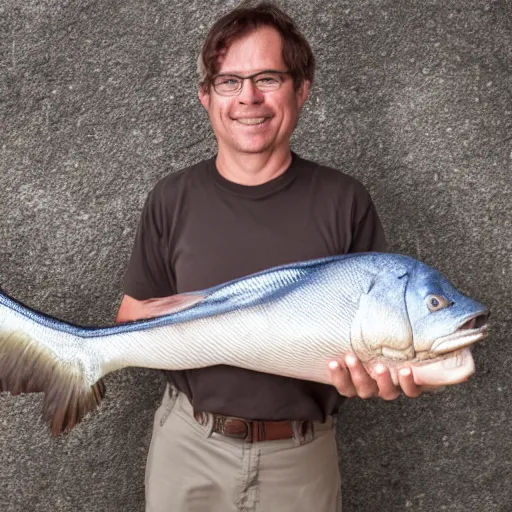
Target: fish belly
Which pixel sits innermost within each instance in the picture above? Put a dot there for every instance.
(286, 337)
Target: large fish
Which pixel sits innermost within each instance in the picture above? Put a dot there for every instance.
(290, 320)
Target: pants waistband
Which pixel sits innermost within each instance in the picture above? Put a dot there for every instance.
(252, 431)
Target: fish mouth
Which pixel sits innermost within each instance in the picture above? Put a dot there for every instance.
(450, 368)
(449, 360)
(469, 331)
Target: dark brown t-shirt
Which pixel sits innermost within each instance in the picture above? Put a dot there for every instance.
(198, 230)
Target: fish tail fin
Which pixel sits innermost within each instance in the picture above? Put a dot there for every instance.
(68, 400)
(27, 367)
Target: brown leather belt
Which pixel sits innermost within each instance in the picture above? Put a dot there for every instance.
(251, 431)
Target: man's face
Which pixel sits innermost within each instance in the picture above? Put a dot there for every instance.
(255, 121)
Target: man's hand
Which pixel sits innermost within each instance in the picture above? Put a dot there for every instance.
(351, 379)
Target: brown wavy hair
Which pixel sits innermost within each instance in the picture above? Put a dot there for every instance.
(242, 20)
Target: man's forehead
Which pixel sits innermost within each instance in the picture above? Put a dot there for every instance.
(259, 50)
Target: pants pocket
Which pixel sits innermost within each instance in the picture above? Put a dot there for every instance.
(168, 403)
(161, 416)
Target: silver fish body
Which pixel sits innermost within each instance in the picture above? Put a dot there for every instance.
(290, 320)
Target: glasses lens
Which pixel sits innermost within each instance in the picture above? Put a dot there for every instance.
(268, 81)
(226, 84)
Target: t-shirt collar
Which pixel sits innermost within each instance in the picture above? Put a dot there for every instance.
(256, 191)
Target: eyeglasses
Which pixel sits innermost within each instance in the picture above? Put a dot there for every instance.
(265, 81)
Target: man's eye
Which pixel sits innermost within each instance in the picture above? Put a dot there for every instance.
(268, 80)
(228, 81)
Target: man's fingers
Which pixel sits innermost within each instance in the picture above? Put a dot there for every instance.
(354, 380)
(406, 380)
(363, 383)
(387, 389)
(341, 380)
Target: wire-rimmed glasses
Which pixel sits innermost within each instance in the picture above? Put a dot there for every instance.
(265, 81)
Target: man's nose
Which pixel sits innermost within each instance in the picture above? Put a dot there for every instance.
(250, 94)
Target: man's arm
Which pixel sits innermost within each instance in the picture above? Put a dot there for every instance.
(130, 309)
(133, 309)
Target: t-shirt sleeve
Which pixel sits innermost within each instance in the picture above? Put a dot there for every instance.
(368, 233)
(149, 273)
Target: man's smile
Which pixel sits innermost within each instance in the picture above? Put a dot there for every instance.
(252, 120)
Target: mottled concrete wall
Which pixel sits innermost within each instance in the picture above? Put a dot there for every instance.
(98, 101)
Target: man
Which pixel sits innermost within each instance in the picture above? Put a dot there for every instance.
(225, 438)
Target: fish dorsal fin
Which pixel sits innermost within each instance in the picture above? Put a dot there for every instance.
(167, 305)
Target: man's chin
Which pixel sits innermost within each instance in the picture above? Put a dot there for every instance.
(253, 146)
(253, 149)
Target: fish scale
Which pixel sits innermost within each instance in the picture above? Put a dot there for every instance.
(291, 320)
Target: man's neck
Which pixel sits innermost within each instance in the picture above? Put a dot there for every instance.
(253, 168)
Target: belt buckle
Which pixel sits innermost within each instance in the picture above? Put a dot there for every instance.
(220, 423)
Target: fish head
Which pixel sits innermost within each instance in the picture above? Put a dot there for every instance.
(415, 317)
(442, 318)
(445, 324)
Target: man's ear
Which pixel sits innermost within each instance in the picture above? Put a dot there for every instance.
(303, 92)
(204, 98)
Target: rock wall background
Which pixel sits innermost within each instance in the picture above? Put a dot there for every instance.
(98, 101)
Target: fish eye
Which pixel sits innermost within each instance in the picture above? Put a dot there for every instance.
(437, 302)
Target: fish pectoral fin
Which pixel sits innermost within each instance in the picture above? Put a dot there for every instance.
(396, 354)
(167, 305)
(28, 367)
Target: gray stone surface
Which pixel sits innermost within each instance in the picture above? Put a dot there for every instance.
(98, 101)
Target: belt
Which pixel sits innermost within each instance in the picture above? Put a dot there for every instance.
(252, 431)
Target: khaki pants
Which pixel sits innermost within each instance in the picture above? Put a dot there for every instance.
(191, 469)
